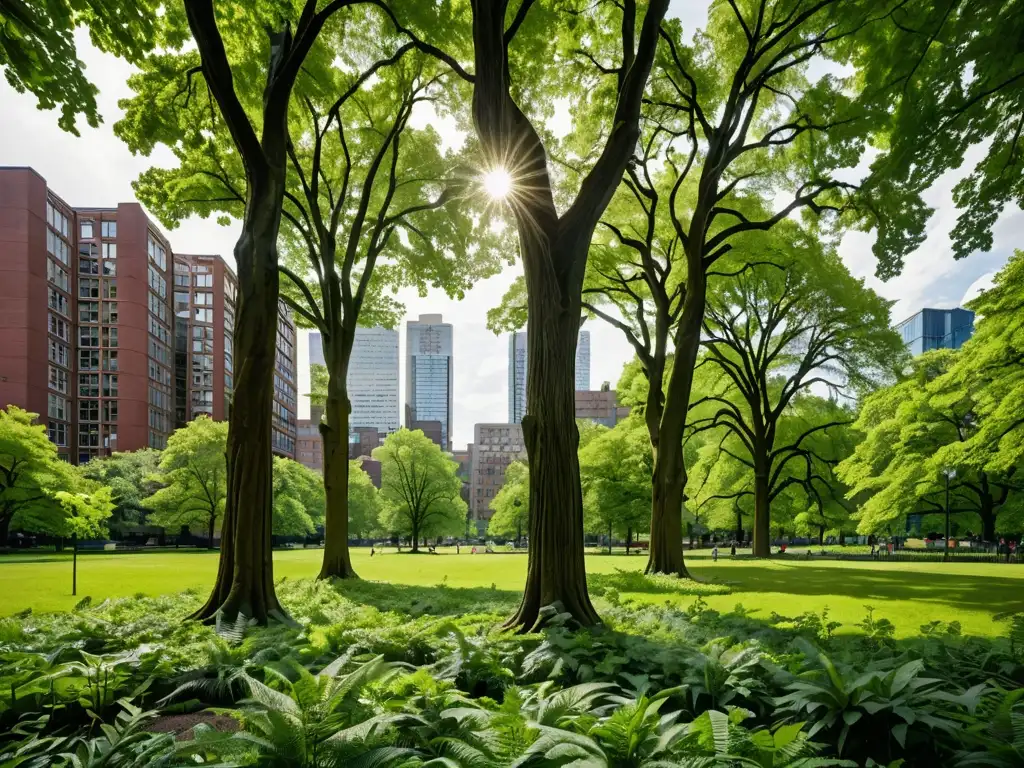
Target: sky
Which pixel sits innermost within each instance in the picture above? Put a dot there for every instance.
(96, 169)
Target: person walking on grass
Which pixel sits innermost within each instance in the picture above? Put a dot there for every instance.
(714, 554)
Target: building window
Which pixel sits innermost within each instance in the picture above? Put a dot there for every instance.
(88, 336)
(109, 268)
(108, 228)
(59, 380)
(110, 289)
(59, 327)
(157, 282)
(88, 360)
(158, 307)
(88, 288)
(89, 436)
(88, 410)
(85, 232)
(56, 407)
(204, 281)
(88, 385)
(203, 298)
(110, 337)
(58, 301)
(203, 315)
(109, 385)
(59, 354)
(58, 433)
(56, 275)
(88, 311)
(110, 361)
(110, 410)
(109, 314)
(109, 250)
(157, 254)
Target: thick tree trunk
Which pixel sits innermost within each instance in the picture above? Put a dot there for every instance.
(669, 474)
(739, 525)
(762, 506)
(821, 535)
(245, 577)
(555, 570)
(415, 536)
(337, 563)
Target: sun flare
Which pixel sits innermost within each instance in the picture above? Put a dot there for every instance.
(497, 183)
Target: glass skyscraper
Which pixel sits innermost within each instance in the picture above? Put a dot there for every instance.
(429, 380)
(517, 372)
(936, 329)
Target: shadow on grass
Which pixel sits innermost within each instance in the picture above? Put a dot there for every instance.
(966, 591)
(437, 600)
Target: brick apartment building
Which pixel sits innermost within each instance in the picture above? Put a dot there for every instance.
(205, 290)
(494, 447)
(88, 331)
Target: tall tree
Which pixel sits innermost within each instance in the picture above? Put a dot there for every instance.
(38, 55)
(194, 477)
(615, 469)
(250, 58)
(553, 245)
(369, 206)
(30, 473)
(299, 500)
(129, 474)
(419, 487)
(511, 505)
(773, 332)
(917, 443)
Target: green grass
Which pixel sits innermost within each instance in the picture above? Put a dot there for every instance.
(908, 594)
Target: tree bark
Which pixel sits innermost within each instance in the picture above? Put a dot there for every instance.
(555, 570)
(821, 535)
(415, 536)
(762, 505)
(337, 562)
(245, 577)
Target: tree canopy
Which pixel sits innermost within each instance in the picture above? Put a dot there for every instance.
(419, 487)
(615, 469)
(364, 502)
(298, 498)
(511, 505)
(131, 478)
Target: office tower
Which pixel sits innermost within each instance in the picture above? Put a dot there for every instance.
(373, 379)
(583, 361)
(494, 447)
(517, 371)
(600, 406)
(205, 291)
(86, 319)
(936, 329)
(428, 374)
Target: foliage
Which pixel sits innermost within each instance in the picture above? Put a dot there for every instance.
(130, 476)
(419, 487)
(37, 48)
(298, 498)
(511, 505)
(615, 469)
(30, 472)
(364, 502)
(917, 437)
(85, 514)
(193, 473)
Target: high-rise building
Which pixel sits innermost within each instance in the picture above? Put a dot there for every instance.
(429, 380)
(86, 319)
(600, 406)
(517, 371)
(205, 291)
(937, 329)
(373, 379)
(494, 447)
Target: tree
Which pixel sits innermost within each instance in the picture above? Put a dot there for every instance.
(368, 207)
(773, 332)
(615, 468)
(553, 245)
(193, 474)
(129, 475)
(364, 502)
(250, 65)
(37, 48)
(298, 498)
(84, 516)
(917, 442)
(419, 487)
(511, 505)
(30, 473)
(952, 75)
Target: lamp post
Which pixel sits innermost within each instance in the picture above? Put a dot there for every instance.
(948, 473)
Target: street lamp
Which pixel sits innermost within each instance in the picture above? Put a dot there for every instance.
(948, 473)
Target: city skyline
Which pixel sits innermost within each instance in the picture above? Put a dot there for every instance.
(429, 373)
(517, 367)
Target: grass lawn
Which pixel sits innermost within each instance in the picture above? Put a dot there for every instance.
(908, 594)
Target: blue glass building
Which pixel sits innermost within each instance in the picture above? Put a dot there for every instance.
(937, 329)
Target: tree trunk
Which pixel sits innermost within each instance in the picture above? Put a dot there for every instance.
(629, 538)
(245, 576)
(209, 529)
(762, 516)
(337, 562)
(609, 538)
(5, 528)
(415, 536)
(74, 565)
(821, 535)
(739, 525)
(555, 569)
